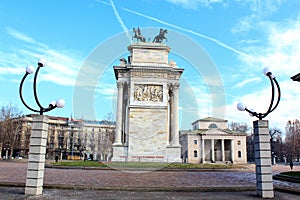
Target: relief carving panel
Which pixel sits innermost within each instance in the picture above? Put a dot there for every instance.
(148, 92)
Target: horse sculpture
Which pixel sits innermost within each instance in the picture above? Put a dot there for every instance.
(159, 38)
(138, 35)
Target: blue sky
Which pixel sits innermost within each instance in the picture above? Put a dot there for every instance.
(240, 38)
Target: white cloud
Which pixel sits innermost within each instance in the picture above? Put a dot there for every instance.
(259, 10)
(106, 89)
(281, 53)
(20, 36)
(250, 80)
(193, 4)
(281, 50)
(62, 67)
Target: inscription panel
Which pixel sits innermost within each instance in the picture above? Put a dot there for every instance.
(150, 56)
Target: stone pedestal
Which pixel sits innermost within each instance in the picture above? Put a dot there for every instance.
(37, 151)
(264, 182)
(173, 153)
(120, 153)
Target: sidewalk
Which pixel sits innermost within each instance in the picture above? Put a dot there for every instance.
(116, 184)
(12, 193)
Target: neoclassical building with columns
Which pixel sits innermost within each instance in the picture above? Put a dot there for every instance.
(147, 105)
(211, 141)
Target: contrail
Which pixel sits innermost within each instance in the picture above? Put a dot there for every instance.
(189, 31)
(120, 19)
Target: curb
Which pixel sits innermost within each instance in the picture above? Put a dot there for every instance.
(154, 189)
(138, 189)
(145, 169)
(287, 190)
(282, 177)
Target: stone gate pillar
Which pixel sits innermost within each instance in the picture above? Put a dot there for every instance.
(264, 181)
(37, 152)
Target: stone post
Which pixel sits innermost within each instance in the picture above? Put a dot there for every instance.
(37, 152)
(264, 181)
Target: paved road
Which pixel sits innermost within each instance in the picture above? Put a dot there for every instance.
(114, 184)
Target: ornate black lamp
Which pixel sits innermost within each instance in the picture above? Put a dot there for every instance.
(260, 116)
(60, 103)
(262, 142)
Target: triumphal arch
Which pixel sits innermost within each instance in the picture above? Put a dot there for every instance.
(147, 127)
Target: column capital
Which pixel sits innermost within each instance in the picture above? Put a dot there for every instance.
(120, 84)
(175, 86)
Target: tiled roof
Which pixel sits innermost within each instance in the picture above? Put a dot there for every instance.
(210, 119)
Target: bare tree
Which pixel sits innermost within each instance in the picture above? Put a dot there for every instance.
(11, 121)
(292, 139)
(276, 143)
(239, 127)
(106, 137)
(109, 117)
(105, 141)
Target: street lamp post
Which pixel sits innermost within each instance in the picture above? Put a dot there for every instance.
(264, 181)
(38, 137)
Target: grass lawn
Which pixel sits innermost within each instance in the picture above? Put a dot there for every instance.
(80, 163)
(146, 165)
(294, 174)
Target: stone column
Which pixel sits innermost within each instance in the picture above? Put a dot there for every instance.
(203, 150)
(232, 151)
(264, 181)
(37, 151)
(222, 150)
(212, 150)
(170, 114)
(175, 117)
(118, 138)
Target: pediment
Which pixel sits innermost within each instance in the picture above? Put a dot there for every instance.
(215, 132)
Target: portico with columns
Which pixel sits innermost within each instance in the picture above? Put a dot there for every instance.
(147, 105)
(211, 141)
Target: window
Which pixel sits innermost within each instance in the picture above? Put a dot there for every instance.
(212, 126)
(239, 142)
(195, 141)
(195, 153)
(239, 154)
